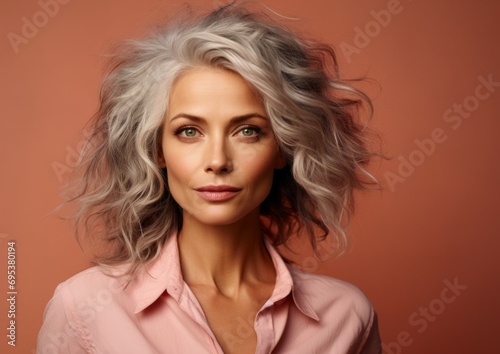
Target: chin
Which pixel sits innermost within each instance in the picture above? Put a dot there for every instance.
(217, 220)
(223, 217)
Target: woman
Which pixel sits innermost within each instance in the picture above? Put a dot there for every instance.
(216, 140)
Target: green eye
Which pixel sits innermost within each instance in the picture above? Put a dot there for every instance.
(247, 131)
(189, 132)
(251, 132)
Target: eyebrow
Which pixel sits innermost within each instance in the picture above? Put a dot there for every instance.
(237, 119)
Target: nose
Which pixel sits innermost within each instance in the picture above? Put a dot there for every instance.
(218, 157)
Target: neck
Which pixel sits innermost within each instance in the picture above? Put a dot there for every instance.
(224, 256)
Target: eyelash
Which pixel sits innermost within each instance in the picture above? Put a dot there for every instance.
(258, 131)
(181, 129)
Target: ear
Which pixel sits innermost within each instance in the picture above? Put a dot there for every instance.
(280, 161)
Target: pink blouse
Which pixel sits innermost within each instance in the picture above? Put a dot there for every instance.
(158, 313)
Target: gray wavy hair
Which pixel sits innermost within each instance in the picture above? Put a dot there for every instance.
(122, 193)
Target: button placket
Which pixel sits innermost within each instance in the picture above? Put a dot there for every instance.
(264, 329)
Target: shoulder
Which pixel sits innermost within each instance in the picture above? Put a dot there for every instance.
(344, 313)
(94, 278)
(94, 288)
(89, 283)
(85, 290)
(60, 324)
(328, 296)
(85, 277)
(81, 300)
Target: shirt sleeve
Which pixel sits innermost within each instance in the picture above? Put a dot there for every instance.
(372, 344)
(60, 331)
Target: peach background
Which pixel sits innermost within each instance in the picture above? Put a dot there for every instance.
(439, 223)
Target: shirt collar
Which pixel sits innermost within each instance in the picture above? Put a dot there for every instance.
(285, 284)
(164, 273)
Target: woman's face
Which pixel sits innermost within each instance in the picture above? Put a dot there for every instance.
(218, 147)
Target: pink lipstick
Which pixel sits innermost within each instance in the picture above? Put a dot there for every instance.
(217, 193)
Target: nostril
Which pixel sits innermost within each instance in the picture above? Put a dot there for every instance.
(217, 159)
(222, 169)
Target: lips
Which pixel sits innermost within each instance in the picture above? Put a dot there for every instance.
(217, 193)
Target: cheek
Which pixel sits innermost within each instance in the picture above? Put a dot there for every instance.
(178, 167)
(259, 166)
(179, 160)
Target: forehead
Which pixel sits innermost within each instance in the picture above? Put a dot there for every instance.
(213, 90)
